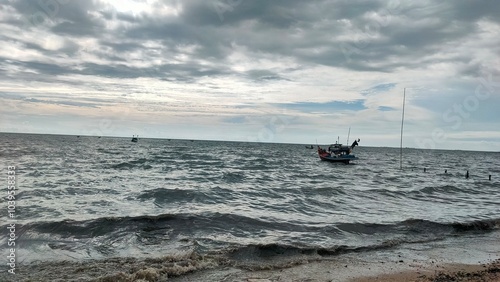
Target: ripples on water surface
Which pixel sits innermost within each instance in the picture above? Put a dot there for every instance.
(95, 197)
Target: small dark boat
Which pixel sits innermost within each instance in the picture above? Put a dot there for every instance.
(135, 138)
(310, 147)
(338, 153)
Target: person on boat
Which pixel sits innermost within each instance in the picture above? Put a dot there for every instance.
(354, 144)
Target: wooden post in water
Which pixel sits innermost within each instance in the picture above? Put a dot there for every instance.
(402, 122)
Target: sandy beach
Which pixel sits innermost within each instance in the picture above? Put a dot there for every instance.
(453, 272)
(357, 271)
(459, 259)
(342, 269)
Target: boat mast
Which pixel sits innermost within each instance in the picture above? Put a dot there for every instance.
(402, 122)
(348, 136)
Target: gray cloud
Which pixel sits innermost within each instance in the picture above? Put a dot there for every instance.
(230, 60)
(319, 32)
(65, 103)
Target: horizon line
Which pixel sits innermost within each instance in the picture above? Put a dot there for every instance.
(216, 140)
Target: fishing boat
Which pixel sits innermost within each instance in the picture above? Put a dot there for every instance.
(338, 153)
(135, 138)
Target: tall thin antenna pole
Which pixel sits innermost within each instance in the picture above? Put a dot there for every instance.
(348, 136)
(402, 122)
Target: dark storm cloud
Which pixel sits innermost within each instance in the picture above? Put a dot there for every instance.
(355, 35)
(280, 13)
(471, 11)
(41, 68)
(76, 29)
(67, 17)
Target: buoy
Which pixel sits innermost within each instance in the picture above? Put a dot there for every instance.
(489, 177)
(467, 175)
(445, 171)
(424, 169)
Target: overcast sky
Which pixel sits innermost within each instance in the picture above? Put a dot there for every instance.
(254, 70)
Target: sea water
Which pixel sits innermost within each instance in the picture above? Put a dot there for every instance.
(97, 199)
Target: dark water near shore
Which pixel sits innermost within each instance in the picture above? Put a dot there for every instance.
(98, 198)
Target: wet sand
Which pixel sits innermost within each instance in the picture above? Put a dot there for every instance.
(343, 268)
(453, 272)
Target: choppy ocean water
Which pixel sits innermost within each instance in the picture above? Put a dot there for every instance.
(89, 198)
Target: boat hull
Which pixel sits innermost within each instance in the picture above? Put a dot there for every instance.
(345, 160)
(335, 158)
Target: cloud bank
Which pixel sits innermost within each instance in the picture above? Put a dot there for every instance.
(234, 69)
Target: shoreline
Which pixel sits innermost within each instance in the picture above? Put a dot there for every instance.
(355, 271)
(472, 257)
(353, 267)
(460, 257)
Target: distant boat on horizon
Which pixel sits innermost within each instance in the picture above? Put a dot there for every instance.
(135, 138)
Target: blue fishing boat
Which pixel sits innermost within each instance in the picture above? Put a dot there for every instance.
(338, 153)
